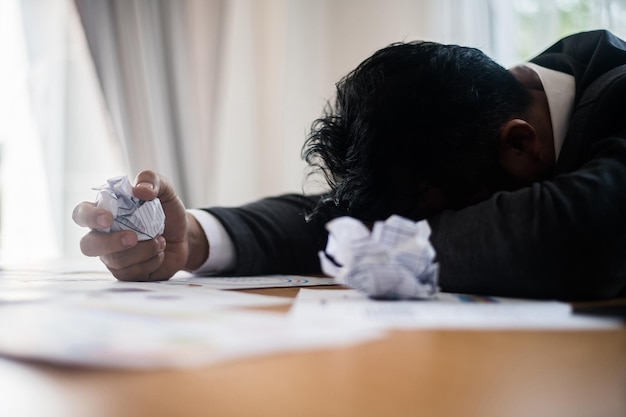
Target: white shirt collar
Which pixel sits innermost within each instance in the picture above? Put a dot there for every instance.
(560, 89)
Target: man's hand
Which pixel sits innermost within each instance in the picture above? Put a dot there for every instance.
(182, 245)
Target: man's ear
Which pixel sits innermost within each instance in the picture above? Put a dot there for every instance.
(520, 151)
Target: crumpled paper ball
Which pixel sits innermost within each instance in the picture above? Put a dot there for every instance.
(394, 260)
(145, 218)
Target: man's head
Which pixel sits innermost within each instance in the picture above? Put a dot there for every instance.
(417, 128)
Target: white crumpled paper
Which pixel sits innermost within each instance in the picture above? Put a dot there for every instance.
(395, 260)
(145, 218)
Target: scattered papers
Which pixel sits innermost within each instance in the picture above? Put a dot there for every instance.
(239, 283)
(131, 297)
(395, 260)
(171, 302)
(91, 319)
(446, 311)
(87, 318)
(97, 338)
(145, 218)
(94, 275)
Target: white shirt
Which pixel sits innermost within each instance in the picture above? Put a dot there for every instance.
(559, 87)
(222, 255)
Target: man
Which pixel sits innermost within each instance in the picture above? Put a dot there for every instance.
(521, 175)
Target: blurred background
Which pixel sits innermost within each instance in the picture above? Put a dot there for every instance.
(217, 95)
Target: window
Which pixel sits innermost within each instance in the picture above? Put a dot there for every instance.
(54, 139)
(539, 22)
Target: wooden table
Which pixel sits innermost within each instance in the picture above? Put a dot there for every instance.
(409, 373)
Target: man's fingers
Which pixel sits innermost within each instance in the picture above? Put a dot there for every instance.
(86, 214)
(141, 263)
(142, 271)
(137, 254)
(147, 185)
(97, 243)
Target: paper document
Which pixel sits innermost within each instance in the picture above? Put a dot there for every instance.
(234, 283)
(446, 311)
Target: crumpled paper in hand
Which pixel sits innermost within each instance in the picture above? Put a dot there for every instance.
(145, 218)
(394, 260)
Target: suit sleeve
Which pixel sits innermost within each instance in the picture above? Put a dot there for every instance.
(273, 235)
(562, 238)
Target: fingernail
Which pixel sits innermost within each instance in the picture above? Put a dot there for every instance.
(145, 185)
(127, 240)
(162, 242)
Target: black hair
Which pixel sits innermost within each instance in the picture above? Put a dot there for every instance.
(412, 116)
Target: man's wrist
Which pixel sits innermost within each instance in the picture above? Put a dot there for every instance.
(197, 243)
(219, 253)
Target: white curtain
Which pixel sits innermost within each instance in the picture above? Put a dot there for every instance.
(217, 95)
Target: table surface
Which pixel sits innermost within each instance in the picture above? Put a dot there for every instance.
(408, 373)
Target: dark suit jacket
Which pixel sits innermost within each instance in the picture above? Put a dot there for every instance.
(562, 238)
